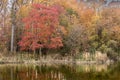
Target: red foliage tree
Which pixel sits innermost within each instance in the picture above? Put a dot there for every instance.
(41, 28)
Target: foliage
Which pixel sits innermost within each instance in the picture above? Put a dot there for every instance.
(52, 23)
(41, 29)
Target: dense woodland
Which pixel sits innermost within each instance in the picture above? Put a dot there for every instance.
(67, 27)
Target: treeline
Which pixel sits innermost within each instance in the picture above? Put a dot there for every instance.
(65, 26)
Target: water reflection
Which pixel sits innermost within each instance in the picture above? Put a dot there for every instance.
(87, 68)
(59, 72)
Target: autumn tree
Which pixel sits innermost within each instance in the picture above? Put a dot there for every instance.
(22, 10)
(41, 29)
(4, 25)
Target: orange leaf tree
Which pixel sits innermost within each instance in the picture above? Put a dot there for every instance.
(41, 28)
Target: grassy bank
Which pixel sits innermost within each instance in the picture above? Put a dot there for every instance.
(25, 58)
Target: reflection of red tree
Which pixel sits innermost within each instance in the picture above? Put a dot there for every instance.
(34, 75)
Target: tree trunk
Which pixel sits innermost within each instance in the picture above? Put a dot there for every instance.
(13, 18)
(12, 38)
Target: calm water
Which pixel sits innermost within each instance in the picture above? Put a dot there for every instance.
(59, 72)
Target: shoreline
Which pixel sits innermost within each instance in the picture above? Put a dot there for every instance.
(78, 62)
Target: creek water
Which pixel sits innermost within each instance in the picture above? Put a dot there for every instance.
(59, 72)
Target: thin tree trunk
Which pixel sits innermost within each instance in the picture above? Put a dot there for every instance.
(40, 52)
(12, 38)
(13, 17)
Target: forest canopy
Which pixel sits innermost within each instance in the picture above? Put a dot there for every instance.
(65, 26)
